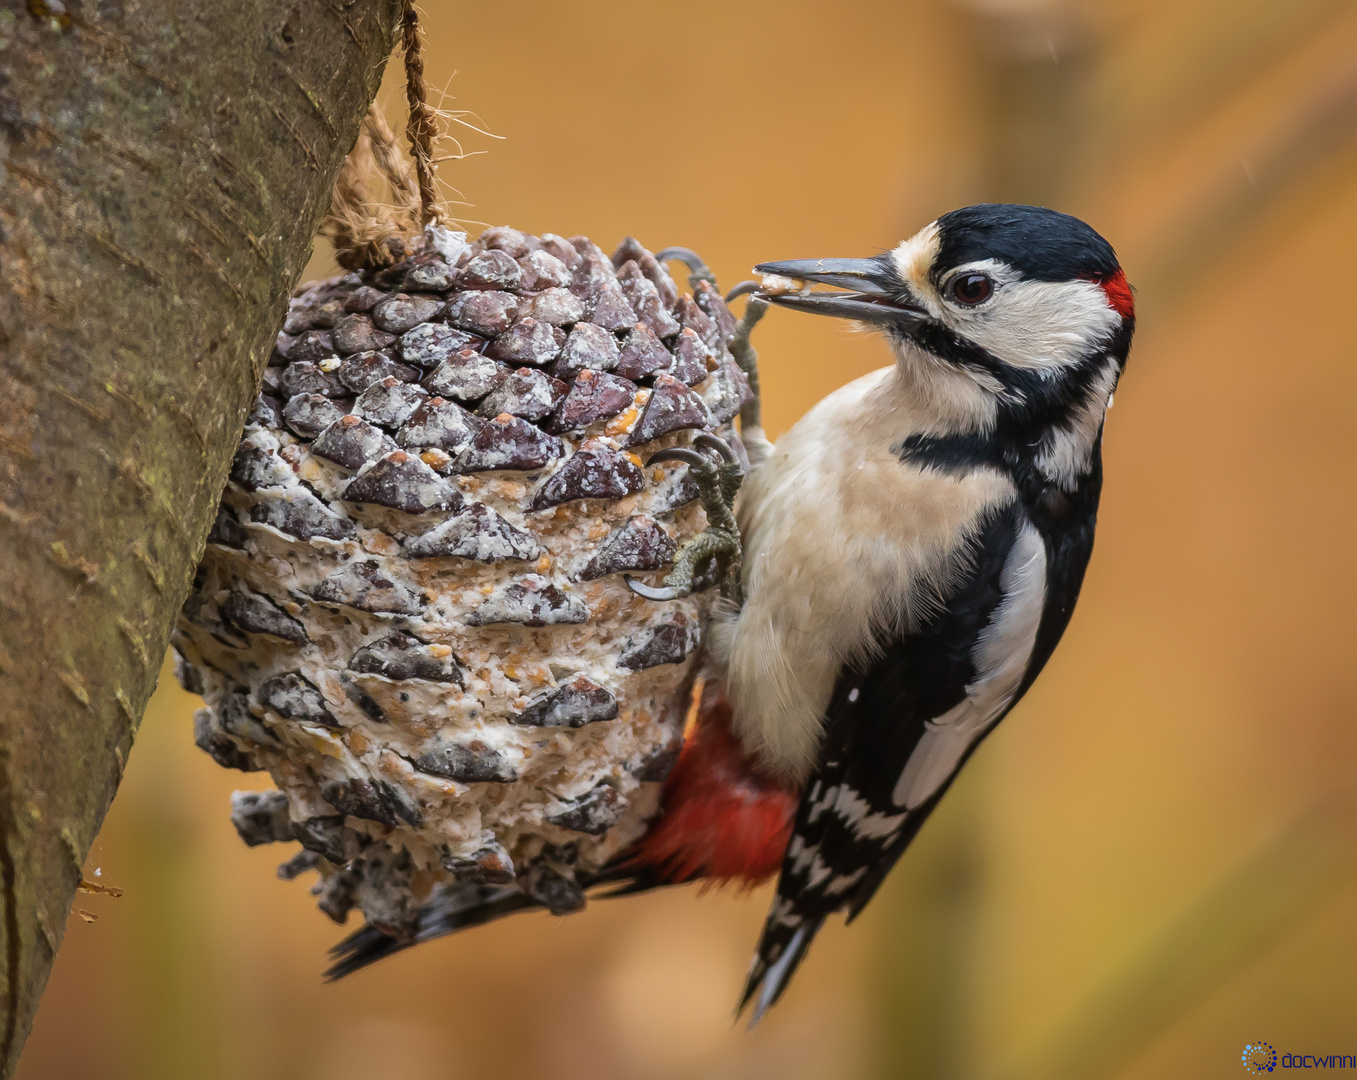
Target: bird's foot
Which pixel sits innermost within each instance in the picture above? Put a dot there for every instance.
(716, 547)
(716, 552)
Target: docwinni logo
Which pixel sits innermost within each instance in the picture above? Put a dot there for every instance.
(1314, 1061)
(1259, 1058)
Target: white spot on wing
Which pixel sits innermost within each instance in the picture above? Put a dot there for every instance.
(825, 802)
(857, 813)
(819, 871)
(844, 882)
(783, 912)
(1001, 654)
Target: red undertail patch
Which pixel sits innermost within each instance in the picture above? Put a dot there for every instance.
(723, 820)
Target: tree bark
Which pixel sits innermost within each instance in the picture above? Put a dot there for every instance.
(163, 168)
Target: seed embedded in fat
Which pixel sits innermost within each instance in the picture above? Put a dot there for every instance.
(777, 285)
(623, 422)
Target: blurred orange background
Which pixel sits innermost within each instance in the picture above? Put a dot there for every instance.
(1151, 863)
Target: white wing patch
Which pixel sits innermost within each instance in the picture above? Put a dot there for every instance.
(852, 809)
(1000, 656)
(857, 814)
(806, 860)
(844, 882)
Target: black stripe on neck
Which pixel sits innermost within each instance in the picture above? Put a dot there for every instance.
(956, 454)
(1032, 401)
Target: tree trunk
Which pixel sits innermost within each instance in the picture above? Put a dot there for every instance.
(163, 168)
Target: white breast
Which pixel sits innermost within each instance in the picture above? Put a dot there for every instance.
(841, 539)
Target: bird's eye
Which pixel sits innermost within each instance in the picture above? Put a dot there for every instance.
(972, 289)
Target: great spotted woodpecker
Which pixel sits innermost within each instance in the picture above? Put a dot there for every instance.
(914, 546)
(912, 551)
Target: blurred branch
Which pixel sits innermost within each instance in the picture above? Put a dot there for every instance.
(924, 959)
(1240, 916)
(1193, 62)
(1319, 130)
(1037, 56)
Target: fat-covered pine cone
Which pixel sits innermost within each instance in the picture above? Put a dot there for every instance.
(411, 609)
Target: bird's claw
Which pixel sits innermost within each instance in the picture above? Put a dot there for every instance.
(691, 259)
(698, 270)
(715, 543)
(649, 592)
(744, 288)
(718, 483)
(708, 441)
(680, 453)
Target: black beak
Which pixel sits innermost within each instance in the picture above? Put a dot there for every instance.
(875, 292)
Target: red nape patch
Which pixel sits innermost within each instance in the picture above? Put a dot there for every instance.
(723, 818)
(1118, 293)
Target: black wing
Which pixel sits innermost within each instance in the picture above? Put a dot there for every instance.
(898, 729)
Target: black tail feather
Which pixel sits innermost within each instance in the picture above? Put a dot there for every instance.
(781, 950)
(458, 907)
(451, 909)
(627, 879)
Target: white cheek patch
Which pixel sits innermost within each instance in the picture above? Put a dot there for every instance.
(1038, 325)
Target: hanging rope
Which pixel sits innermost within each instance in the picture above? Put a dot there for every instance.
(368, 232)
(422, 127)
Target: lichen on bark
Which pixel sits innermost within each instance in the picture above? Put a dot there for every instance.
(163, 169)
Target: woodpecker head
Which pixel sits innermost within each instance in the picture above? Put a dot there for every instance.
(1001, 315)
